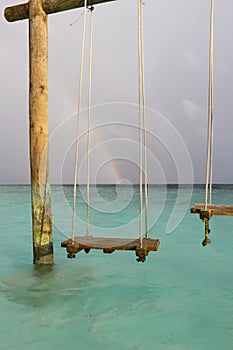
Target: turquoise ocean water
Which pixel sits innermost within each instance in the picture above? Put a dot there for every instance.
(180, 298)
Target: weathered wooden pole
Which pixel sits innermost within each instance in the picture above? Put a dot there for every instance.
(38, 114)
(36, 11)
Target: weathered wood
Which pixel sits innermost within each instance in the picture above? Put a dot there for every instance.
(85, 242)
(38, 114)
(215, 209)
(109, 245)
(20, 12)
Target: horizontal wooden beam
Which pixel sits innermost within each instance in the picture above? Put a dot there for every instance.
(20, 12)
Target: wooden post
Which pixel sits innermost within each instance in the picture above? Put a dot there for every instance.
(38, 111)
(36, 11)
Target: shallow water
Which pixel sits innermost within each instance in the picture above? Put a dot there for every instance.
(180, 298)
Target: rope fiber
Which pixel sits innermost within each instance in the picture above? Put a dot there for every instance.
(209, 156)
(89, 120)
(142, 126)
(78, 118)
(142, 123)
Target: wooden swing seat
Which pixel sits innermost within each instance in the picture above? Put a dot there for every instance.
(109, 245)
(215, 209)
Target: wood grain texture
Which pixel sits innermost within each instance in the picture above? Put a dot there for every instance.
(38, 115)
(87, 242)
(20, 12)
(216, 209)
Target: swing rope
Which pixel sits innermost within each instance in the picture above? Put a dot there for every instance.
(140, 120)
(209, 157)
(89, 121)
(142, 123)
(206, 215)
(141, 246)
(142, 126)
(78, 119)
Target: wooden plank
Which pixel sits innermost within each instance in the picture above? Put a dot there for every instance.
(216, 209)
(20, 12)
(87, 242)
(109, 245)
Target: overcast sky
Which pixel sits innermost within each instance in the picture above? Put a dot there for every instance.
(176, 78)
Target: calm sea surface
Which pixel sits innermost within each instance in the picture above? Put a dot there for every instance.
(180, 298)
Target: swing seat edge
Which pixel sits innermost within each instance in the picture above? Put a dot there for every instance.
(215, 209)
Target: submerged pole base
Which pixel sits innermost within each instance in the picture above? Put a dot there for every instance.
(43, 255)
